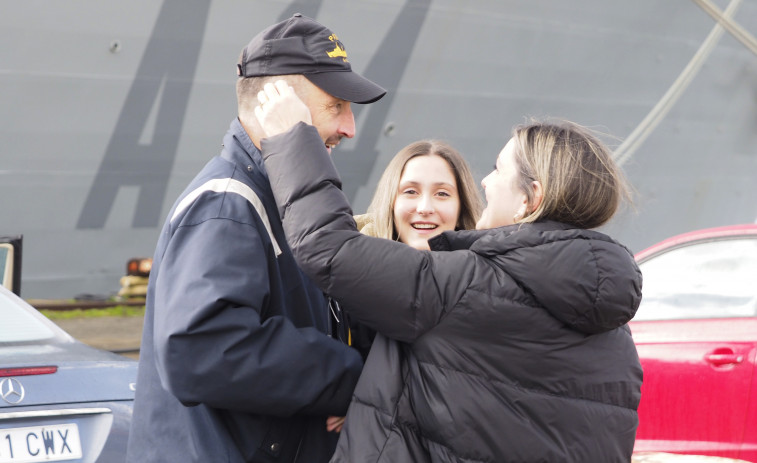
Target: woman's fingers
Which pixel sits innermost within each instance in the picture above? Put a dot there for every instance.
(334, 423)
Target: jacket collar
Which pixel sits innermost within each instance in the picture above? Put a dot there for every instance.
(238, 147)
(461, 239)
(465, 239)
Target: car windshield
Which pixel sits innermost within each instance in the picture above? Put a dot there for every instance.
(18, 325)
(713, 279)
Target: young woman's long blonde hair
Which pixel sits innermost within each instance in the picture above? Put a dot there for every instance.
(381, 209)
(581, 183)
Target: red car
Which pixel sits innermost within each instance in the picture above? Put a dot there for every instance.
(696, 333)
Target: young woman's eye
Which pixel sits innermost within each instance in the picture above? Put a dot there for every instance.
(444, 194)
(409, 191)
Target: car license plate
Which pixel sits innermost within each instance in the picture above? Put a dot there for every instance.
(57, 442)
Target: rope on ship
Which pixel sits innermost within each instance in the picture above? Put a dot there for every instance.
(661, 109)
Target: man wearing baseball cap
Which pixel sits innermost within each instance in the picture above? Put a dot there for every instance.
(242, 357)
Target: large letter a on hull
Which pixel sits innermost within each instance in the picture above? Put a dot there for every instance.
(161, 88)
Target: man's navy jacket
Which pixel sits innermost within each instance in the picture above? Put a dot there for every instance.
(235, 363)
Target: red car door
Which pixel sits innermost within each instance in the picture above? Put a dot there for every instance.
(696, 334)
(698, 376)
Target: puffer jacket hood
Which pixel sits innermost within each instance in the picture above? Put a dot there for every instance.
(580, 290)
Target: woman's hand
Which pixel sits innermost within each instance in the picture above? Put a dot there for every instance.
(334, 423)
(280, 108)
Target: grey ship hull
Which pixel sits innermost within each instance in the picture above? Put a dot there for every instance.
(108, 109)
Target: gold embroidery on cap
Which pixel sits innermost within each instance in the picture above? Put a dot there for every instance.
(338, 51)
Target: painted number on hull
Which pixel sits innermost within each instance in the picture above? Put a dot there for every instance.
(40, 443)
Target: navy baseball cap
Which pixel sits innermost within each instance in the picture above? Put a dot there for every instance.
(301, 45)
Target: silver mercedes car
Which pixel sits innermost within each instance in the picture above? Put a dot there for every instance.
(60, 400)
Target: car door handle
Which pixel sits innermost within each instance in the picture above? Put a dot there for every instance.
(720, 357)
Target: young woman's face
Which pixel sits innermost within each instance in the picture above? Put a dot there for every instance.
(427, 201)
(503, 198)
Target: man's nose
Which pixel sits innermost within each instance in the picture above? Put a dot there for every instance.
(347, 123)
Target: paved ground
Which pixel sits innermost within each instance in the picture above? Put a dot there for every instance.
(109, 333)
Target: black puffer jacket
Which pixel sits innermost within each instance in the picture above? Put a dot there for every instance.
(510, 348)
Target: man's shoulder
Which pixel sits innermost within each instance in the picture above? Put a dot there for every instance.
(222, 181)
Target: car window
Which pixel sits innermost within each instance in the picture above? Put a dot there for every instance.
(715, 279)
(19, 325)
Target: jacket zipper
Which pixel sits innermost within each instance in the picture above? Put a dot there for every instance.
(297, 453)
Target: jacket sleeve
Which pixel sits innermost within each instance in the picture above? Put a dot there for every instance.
(214, 345)
(388, 286)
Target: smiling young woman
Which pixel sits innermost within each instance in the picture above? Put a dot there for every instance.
(426, 189)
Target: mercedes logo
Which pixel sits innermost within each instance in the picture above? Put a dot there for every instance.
(11, 390)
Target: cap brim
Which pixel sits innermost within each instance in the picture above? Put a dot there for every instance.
(348, 85)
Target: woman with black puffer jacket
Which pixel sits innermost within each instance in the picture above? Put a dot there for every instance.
(511, 340)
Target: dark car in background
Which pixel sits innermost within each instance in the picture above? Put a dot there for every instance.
(60, 400)
(696, 334)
